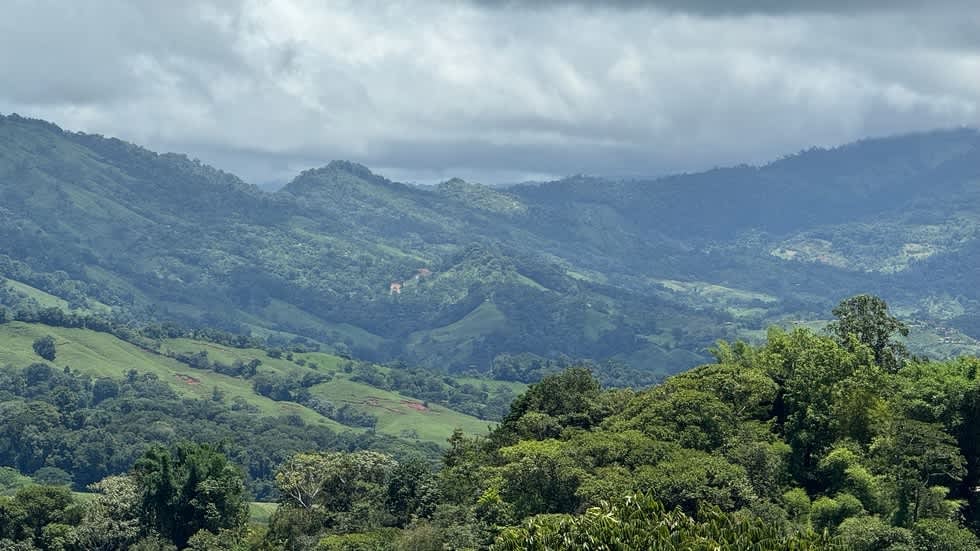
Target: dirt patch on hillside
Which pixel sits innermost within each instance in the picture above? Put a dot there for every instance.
(187, 379)
(388, 405)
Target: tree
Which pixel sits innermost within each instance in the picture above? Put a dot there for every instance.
(52, 476)
(539, 477)
(45, 348)
(943, 535)
(866, 318)
(189, 489)
(412, 492)
(103, 389)
(112, 517)
(690, 479)
(918, 456)
(301, 479)
(643, 523)
(37, 507)
(569, 398)
(330, 491)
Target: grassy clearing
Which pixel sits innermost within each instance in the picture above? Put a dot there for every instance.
(398, 415)
(712, 292)
(484, 319)
(103, 355)
(259, 512)
(45, 300)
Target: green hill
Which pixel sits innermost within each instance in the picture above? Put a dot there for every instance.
(645, 274)
(103, 355)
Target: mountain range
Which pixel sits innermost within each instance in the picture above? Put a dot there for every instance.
(642, 276)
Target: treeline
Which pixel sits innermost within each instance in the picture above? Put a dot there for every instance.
(531, 368)
(59, 283)
(809, 441)
(837, 441)
(188, 497)
(88, 428)
(16, 306)
(478, 400)
(427, 385)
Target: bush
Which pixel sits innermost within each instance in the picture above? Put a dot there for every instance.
(873, 534)
(936, 534)
(827, 513)
(381, 540)
(45, 348)
(52, 476)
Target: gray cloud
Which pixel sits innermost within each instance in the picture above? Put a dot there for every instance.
(491, 90)
(740, 7)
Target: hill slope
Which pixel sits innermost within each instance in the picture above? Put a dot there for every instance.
(104, 355)
(455, 276)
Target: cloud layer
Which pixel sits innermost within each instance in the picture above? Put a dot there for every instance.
(492, 90)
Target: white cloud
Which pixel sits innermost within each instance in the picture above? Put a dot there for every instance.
(492, 89)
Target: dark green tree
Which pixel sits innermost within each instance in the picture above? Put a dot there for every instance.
(569, 398)
(413, 492)
(45, 348)
(33, 508)
(917, 457)
(866, 317)
(643, 523)
(189, 489)
(103, 389)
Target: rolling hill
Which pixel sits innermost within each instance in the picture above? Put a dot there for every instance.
(638, 275)
(102, 355)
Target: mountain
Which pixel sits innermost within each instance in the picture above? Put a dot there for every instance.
(642, 276)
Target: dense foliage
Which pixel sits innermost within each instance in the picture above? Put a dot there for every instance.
(191, 497)
(95, 427)
(807, 441)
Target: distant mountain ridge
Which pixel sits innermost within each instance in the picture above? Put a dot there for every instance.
(646, 273)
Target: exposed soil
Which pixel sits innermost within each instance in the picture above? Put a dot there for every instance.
(415, 405)
(376, 403)
(187, 379)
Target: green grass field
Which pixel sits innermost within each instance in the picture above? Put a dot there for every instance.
(46, 300)
(103, 355)
(259, 512)
(397, 414)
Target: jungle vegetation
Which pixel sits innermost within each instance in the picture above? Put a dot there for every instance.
(833, 439)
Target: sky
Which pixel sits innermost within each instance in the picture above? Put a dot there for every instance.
(494, 91)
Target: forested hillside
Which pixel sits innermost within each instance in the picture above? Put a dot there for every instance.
(81, 399)
(640, 276)
(824, 441)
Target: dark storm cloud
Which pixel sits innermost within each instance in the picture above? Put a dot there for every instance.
(739, 7)
(493, 90)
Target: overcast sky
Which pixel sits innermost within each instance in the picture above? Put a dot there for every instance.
(494, 90)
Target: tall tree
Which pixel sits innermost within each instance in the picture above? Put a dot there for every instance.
(866, 318)
(189, 489)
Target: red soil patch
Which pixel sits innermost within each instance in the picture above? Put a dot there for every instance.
(376, 403)
(187, 379)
